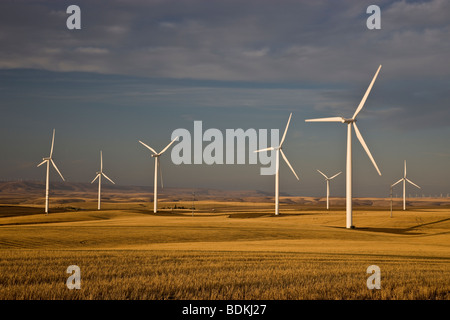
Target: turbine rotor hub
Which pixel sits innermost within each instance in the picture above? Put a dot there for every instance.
(348, 120)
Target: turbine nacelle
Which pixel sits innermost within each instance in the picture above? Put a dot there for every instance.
(348, 120)
(49, 160)
(351, 124)
(157, 164)
(404, 180)
(328, 178)
(156, 154)
(279, 150)
(98, 176)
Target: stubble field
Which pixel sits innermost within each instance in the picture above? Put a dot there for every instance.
(223, 250)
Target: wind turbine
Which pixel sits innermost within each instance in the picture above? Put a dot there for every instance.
(404, 179)
(277, 165)
(352, 122)
(48, 160)
(156, 156)
(99, 176)
(328, 185)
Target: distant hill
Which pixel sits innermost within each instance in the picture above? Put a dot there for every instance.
(33, 192)
(32, 189)
(36, 186)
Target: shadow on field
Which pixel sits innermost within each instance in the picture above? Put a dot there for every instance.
(430, 223)
(159, 213)
(404, 231)
(12, 211)
(245, 215)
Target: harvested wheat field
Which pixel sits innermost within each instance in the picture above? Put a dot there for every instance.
(223, 250)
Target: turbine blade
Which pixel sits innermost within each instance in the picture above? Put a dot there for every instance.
(95, 178)
(101, 161)
(323, 174)
(404, 176)
(335, 175)
(285, 130)
(160, 173)
(40, 164)
(266, 149)
(361, 104)
(287, 161)
(108, 178)
(54, 165)
(151, 149)
(412, 183)
(167, 147)
(53, 141)
(331, 119)
(397, 182)
(360, 138)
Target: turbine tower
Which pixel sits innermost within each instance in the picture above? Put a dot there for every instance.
(156, 156)
(47, 181)
(404, 179)
(328, 185)
(277, 165)
(99, 176)
(352, 122)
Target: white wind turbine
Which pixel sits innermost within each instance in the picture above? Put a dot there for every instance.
(99, 176)
(277, 165)
(350, 122)
(47, 181)
(328, 185)
(404, 179)
(156, 156)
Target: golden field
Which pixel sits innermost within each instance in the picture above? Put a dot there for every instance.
(223, 250)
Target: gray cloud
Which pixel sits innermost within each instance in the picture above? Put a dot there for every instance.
(143, 64)
(320, 41)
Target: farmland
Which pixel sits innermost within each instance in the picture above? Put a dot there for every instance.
(223, 250)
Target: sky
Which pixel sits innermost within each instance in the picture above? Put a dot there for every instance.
(139, 70)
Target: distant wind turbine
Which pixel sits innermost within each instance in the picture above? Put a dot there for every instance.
(156, 156)
(47, 181)
(350, 122)
(277, 165)
(99, 176)
(404, 179)
(328, 185)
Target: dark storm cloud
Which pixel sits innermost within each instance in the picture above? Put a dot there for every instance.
(145, 64)
(318, 41)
